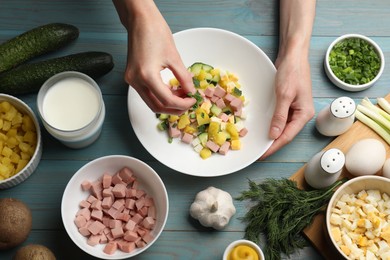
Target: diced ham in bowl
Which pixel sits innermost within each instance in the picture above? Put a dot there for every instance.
(115, 207)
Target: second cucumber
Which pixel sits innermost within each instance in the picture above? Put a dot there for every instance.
(29, 77)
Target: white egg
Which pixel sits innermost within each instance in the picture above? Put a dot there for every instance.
(365, 157)
(386, 169)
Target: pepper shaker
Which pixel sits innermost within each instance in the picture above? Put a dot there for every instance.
(324, 168)
(337, 117)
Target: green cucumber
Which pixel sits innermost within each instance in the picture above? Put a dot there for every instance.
(29, 77)
(35, 42)
(198, 66)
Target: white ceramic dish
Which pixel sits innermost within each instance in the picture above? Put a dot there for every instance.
(256, 72)
(349, 87)
(245, 243)
(36, 158)
(148, 180)
(354, 186)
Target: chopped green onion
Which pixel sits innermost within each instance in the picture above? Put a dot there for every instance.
(237, 92)
(198, 97)
(354, 61)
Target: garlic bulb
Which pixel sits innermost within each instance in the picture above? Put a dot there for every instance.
(213, 207)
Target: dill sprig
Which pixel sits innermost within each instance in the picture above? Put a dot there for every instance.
(281, 212)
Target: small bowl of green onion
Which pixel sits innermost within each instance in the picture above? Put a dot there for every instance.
(354, 62)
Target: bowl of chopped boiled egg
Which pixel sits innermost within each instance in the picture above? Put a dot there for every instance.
(20, 141)
(358, 218)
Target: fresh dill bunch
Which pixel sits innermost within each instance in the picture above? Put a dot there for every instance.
(281, 211)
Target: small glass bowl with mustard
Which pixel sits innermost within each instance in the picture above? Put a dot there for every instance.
(243, 249)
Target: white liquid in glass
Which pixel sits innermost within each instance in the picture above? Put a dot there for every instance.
(70, 104)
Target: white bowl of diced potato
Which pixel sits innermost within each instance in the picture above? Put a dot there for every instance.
(20, 141)
(358, 218)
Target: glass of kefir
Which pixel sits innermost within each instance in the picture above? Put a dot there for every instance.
(71, 108)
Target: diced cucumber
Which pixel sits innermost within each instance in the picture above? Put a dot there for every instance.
(198, 66)
(214, 80)
(163, 116)
(203, 137)
(215, 110)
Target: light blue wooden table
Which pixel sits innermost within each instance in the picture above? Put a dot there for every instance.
(100, 30)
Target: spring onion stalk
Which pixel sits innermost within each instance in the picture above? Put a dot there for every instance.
(384, 104)
(378, 128)
(374, 116)
(367, 103)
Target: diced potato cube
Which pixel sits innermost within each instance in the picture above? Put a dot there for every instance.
(174, 82)
(205, 153)
(232, 130)
(6, 151)
(12, 142)
(235, 144)
(17, 119)
(5, 106)
(21, 165)
(6, 125)
(173, 118)
(4, 171)
(220, 138)
(15, 158)
(30, 137)
(189, 129)
(184, 121)
(25, 147)
(28, 124)
(25, 156)
(10, 114)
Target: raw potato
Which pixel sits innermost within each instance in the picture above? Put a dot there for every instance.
(15, 222)
(365, 157)
(34, 252)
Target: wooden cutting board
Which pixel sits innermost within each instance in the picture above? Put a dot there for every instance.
(316, 232)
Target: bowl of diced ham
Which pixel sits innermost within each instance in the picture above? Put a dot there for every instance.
(115, 207)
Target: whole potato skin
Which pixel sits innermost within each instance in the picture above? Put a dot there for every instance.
(15, 222)
(34, 252)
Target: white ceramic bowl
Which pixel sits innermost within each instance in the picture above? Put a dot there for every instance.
(232, 52)
(36, 158)
(244, 242)
(354, 186)
(341, 84)
(148, 180)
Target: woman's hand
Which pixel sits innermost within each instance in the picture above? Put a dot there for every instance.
(294, 103)
(151, 49)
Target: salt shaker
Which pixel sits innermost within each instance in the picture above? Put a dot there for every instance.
(324, 168)
(337, 117)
